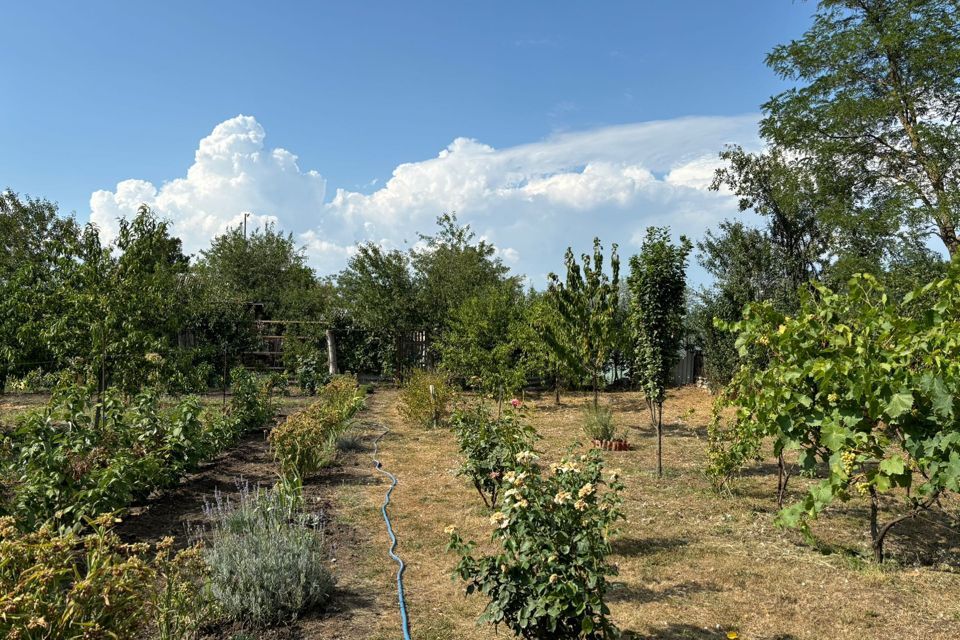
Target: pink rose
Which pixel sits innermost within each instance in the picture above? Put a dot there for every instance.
(516, 403)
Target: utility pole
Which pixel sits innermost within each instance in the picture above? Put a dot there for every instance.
(246, 214)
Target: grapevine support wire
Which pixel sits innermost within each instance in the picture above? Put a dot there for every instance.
(405, 624)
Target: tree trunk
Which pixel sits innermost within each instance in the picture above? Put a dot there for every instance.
(332, 352)
(783, 477)
(659, 440)
(874, 526)
(596, 391)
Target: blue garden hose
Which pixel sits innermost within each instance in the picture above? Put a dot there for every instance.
(404, 623)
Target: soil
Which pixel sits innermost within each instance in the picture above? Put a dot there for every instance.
(178, 513)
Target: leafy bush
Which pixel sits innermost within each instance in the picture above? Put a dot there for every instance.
(489, 447)
(312, 372)
(548, 577)
(344, 395)
(266, 558)
(598, 423)
(68, 585)
(859, 385)
(418, 406)
(307, 441)
(251, 403)
(32, 381)
(75, 458)
(482, 346)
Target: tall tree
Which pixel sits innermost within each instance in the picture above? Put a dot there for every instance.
(451, 267)
(658, 283)
(546, 343)
(587, 302)
(483, 345)
(265, 266)
(792, 199)
(744, 269)
(878, 96)
(378, 294)
(39, 251)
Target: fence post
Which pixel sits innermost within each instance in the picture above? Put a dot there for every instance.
(332, 352)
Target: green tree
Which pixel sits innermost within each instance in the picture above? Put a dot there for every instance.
(657, 285)
(39, 251)
(123, 310)
(586, 302)
(546, 345)
(877, 96)
(792, 198)
(378, 293)
(450, 268)
(267, 267)
(483, 344)
(864, 387)
(741, 261)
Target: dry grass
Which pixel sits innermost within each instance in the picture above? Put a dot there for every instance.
(692, 564)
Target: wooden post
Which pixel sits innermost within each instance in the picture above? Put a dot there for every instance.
(332, 352)
(224, 376)
(433, 405)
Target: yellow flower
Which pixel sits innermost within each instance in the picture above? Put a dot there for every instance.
(553, 578)
(561, 497)
(450, 530)
(781, 329)
(526, 456)
(732, 635)
(500, 518)
(580, 505)
(522, 503)
(585, 490)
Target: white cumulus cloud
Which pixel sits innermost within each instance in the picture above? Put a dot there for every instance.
(232, 173)
(530, 200)
(541, 197)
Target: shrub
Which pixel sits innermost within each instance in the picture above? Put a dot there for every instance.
(75, 458)
(598, 423)
(266, 558)
(312, 372)
(418, 406)
(33, 381)
(307, 441)
(489, 447)
(548, 577)
(862, 388)
(182, 601)
(343, 395)
(68, 585)
(251, 403)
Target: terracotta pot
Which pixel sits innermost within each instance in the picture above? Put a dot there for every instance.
(612, 445)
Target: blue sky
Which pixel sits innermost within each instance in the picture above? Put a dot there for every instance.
(99, 93)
